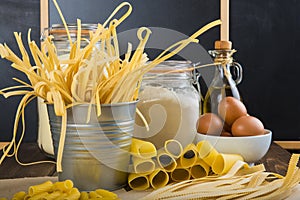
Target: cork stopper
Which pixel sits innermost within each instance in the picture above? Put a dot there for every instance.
(223, 45)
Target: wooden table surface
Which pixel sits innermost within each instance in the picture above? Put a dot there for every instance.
(276, 160)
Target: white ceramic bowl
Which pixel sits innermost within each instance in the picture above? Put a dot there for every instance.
(251, 148)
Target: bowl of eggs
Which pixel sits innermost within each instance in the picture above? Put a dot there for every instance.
(232, 130)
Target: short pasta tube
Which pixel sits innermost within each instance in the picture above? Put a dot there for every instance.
(143, 165)
(166, 161)
(200, 169)
(37, 189)
(206, 152)
(63, 186)
(189, 156)
(19, 195)
(106, 194)
(138, 181)
(224, 162)
(180, 174)
(142, 149)
(174, 148)
(54, 195)
(158, 178)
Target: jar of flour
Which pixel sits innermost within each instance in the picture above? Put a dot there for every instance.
(169, 103)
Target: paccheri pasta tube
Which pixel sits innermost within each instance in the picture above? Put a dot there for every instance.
(188, 157)
(224, 162)
(166, 161)
(173, 147)
(207, 152)
(158, 178)
(63, 190)
(142, 149)
(200, 169)
(92, 75)
(143, 165)
(195, 161)
(180, 174)
(138, 181)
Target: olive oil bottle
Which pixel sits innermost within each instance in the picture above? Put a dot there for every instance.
(223, 83)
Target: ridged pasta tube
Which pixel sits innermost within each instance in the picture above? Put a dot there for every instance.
(19, 196)
(37, 189)
(63, 185)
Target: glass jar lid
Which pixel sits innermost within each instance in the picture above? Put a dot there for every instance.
(171, 69)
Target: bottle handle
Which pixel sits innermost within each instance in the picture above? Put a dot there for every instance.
(239, 72)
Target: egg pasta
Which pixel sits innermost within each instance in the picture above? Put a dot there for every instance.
(62, 190)
(91, 75)
(238, 183)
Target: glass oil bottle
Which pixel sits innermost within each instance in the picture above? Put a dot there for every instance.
(223, 83)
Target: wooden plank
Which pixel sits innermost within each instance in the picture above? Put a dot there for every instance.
(28, 152)
(276, 160)
(290, 145)
(44, 15)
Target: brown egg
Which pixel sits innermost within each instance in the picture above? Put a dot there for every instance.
(210, 123)
(226, 134)
(247, 126)
(231, 109)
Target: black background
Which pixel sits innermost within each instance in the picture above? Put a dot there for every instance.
(264, 33)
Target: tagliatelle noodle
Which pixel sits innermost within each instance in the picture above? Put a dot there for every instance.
(120, 81)
(255, 185)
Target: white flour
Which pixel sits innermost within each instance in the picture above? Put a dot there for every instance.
(171, 115)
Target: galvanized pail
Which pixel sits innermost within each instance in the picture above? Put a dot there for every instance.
(96, 153)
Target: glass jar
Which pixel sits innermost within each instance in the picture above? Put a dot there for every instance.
(61, 42)
(223, 83)
(170, 104)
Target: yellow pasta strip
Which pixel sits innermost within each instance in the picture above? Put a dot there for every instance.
(117, 10)
(78, 42)
(61, 142)
(63, 20)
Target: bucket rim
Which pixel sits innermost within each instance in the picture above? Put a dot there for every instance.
(102, 105)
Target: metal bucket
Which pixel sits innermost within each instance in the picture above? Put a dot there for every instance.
(96, 153)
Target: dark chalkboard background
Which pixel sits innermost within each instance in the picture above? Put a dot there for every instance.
(19, 16)
(265, 34)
